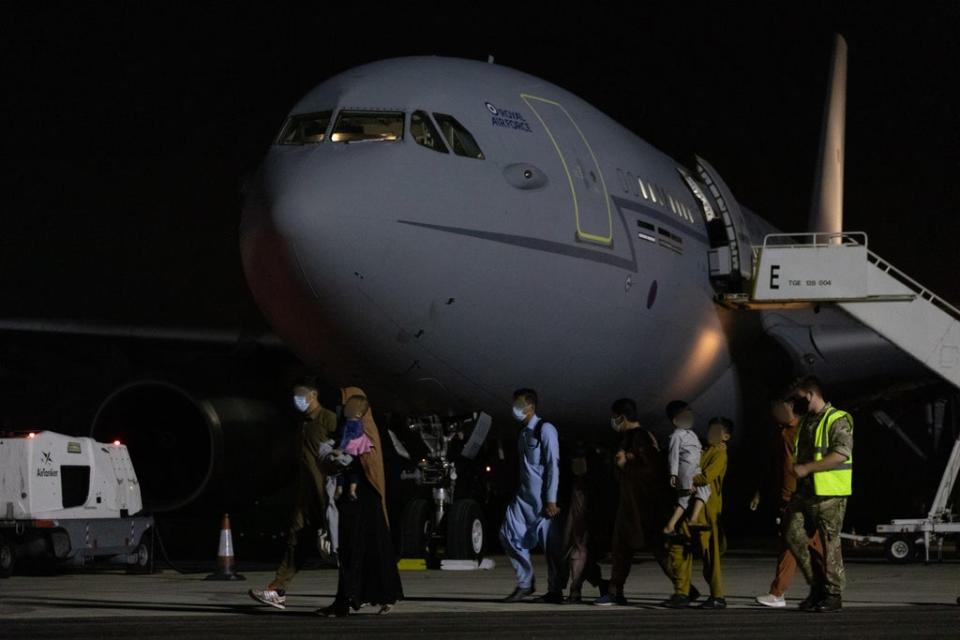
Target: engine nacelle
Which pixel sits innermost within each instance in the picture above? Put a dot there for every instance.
(190, 451)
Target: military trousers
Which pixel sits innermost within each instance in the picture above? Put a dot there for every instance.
(805, 517)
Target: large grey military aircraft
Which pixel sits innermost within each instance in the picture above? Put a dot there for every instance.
(446, 230)
(442, 231)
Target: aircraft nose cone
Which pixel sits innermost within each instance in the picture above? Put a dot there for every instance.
(280, 223)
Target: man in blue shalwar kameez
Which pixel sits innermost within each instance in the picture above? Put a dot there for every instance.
(531, 517)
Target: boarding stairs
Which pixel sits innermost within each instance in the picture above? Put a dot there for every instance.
(791, 270)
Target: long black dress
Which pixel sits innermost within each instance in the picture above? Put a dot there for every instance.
(368, 566)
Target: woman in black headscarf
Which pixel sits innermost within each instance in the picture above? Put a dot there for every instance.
(368, 567)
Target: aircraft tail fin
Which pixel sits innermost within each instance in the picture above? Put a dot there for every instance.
(826, 209)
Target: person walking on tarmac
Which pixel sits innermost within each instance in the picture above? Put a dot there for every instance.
(531, 517)
(579, 543)
(314, 507)
(824, 471)
(709, 541)
(645, 499)
(783, 484)
(367, 572)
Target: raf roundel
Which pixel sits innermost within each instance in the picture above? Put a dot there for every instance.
(652, 294)
(492, 109)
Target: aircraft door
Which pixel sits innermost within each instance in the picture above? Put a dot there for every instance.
(729, 216)
(588, 191)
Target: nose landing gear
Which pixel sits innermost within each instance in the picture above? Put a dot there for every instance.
(449, 522)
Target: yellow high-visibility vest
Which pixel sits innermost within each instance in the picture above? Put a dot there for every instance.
(837, 481)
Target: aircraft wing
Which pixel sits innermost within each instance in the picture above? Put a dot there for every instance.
(171, 334)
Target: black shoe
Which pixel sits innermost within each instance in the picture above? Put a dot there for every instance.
(574, 597)
(713, 603)
(676, 601)
(830, 604)
(811, 601)
(609, 600)
(519, 594)
(694, 594)
(551, 597)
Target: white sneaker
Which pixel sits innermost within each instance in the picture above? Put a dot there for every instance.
(770, 600)
(269, 597)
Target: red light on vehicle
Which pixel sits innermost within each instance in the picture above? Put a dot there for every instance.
(31, 435)
(116, 443)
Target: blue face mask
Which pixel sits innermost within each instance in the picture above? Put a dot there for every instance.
(301, 403)
(519, 414)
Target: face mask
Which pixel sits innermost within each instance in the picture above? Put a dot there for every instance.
(301, 403)
(519, 414)
(684, 422)
(615, 424)
(801, 406)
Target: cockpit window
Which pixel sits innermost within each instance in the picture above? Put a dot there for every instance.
(425, 133)
(368, 126)
(458, 137)
(305, 128)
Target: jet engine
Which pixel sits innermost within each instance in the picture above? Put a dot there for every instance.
(189, 451)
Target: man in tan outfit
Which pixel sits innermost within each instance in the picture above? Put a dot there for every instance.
(313, 507)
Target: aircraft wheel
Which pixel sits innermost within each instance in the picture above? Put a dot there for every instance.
(900, 549)
(465, 531)
(416, 529)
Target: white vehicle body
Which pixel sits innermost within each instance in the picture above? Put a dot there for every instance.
(69, 498)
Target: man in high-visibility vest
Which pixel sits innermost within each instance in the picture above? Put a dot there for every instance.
(823, 466)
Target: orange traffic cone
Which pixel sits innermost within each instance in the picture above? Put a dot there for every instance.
(225, 555)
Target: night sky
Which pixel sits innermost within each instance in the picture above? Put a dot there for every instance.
(128, 126)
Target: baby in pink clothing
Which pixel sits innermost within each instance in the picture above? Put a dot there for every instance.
(353, 441)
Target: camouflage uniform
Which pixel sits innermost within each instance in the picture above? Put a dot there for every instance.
(809, 513)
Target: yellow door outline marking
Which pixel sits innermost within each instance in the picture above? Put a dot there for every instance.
(581, 234)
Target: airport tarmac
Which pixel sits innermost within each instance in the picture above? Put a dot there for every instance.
(882, 600)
